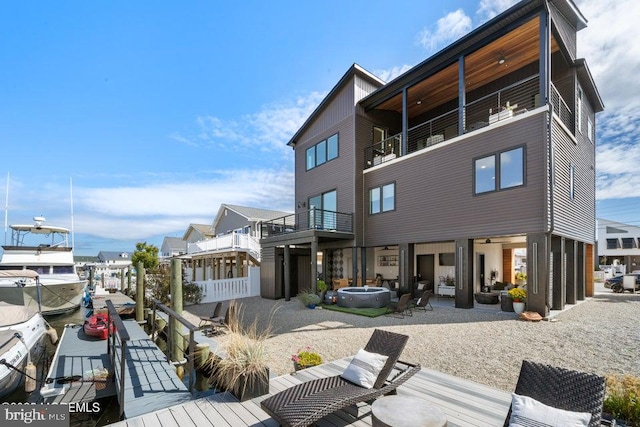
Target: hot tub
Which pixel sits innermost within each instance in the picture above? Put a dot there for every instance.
(364, 297)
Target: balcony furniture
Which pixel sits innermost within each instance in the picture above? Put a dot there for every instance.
(403, 410)
(306, 403)
(502, 115)
(560, 388)
(432, 140)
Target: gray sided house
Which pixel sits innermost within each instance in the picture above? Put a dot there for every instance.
(232, 243)
(476, 163)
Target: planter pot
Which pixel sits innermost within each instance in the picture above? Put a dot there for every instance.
(298, 366)
(311, 306)
(506, 303)
(251, 387)
(518, 307)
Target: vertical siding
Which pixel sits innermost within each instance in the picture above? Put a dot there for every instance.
(565, 30)
(435, 199)
(268, 273)
(573, 218)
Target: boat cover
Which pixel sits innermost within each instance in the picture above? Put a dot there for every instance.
(11, 314)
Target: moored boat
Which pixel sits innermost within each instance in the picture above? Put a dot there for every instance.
(22, 335)
(59, 289)
(96, 326)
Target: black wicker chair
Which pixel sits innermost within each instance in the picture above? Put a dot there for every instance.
(306, 403)
(562, 388)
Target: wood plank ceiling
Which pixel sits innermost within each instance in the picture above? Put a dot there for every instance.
(519, 47)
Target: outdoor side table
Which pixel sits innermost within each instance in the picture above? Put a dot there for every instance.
(406, 411)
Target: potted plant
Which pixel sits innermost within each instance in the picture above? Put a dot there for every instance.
(521, 278)
(305, 358)
(308, 299)
(240, 366)
(621, 402)
(321, 288)
(518, 295)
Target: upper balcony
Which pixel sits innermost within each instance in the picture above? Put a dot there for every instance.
(312, 219)
(493, 83)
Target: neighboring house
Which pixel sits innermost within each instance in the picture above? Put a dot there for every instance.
(110, 264)
(619, 242)
(198, 233)
(234, 245)
(172, 246)
(484, 148)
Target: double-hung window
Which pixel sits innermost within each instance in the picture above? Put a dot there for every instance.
(382, 198)
(499, 171)
(322, 152)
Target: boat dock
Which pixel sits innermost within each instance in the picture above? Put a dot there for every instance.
(465, 403)
(142, 378)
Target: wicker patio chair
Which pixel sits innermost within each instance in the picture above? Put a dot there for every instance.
(423, 301)
(402, 307)
(562, 388)
(306, 403)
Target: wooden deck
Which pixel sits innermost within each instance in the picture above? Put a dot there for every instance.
(150, 382)
(465, 403)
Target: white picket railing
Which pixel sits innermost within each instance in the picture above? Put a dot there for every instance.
(232, 288)
(228, 241)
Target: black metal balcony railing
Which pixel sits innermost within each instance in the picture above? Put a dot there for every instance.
(312, 219)
(501, 105)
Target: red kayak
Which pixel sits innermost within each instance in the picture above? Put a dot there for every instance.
(96, 326)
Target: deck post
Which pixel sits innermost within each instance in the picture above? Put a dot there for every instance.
(140, 292)
(177, 340)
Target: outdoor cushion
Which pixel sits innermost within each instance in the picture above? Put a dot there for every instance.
(528, 412)
(364, 368)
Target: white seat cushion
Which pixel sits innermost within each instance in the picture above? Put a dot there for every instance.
(364, 368)
(528, 412)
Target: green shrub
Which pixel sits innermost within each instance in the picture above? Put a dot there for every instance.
(307, 298)
(622, 398)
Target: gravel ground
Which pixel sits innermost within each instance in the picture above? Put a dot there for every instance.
(599, 335)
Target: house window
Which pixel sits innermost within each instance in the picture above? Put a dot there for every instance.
(499, 171)
(579, 110)
(613, 243)
(628, 243)
(590, 133)
(322, 152)
(322, 211)
(382, 199)
(572, 181)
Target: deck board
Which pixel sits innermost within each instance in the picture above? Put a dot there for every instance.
(466, 403)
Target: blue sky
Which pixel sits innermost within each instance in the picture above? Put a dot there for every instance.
(158, 112)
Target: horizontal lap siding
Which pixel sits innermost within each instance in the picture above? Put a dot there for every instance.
(338, 174)
(434, 190)
(573, 218)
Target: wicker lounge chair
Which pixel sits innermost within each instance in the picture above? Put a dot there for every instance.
(306, 403)
(562, 388)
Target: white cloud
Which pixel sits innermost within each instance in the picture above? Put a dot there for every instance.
(609, 43)
(488, 9)
(448, 28)
(267, 130)
(392, 73)
(136, 212)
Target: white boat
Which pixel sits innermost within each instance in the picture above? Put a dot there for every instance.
(58, 288)
(22, 336)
